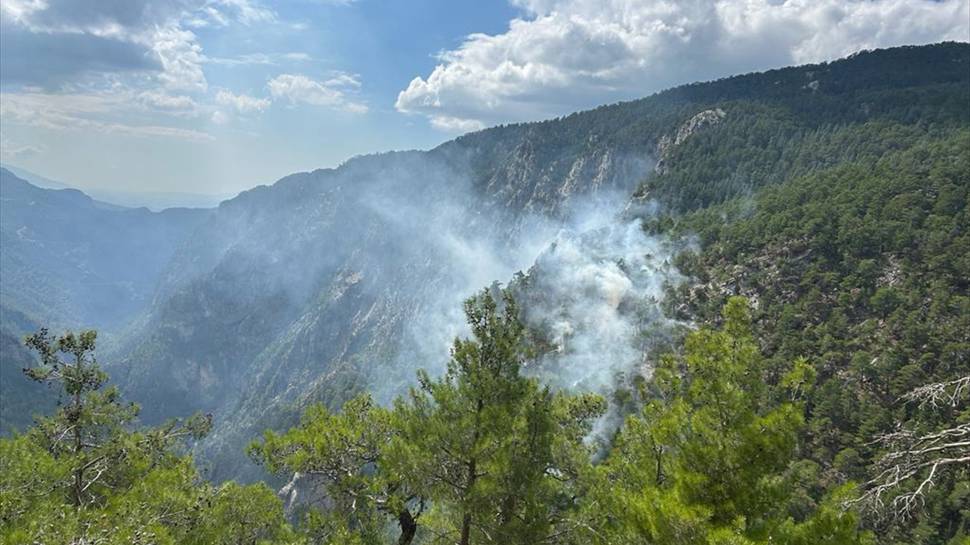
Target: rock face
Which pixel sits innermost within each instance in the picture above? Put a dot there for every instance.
(667, 143)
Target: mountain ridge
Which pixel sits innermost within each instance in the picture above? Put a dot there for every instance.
(156, 201)
(323, 283)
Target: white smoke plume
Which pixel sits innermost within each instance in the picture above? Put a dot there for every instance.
(596, 297)
(593, 291)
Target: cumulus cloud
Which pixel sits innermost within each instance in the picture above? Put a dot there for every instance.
(35, 58)
(180, 56)
(335, 93)
(118, 67)
(243, 104)
(563, 55)
(51, 42)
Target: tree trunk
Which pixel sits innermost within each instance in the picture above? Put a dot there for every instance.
(466, 521)
(408, 527)
(466, 528)
(78, 444)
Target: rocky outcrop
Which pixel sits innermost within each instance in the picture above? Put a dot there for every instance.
(667, 143)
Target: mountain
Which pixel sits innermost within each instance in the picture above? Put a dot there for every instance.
(69, 262)
(34, 179)
(834, 197)
(350, 276)
(862, 269)
(334, 281)
(72, 261)
(338, 280)
(155, 201)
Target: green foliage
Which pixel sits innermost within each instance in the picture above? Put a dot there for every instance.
(82, 476)
(482, 453)
(345, 452)
(839, 209)
(862, 268)
(707, 461)
(495, 452)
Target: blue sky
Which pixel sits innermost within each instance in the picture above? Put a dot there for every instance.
(215, 96)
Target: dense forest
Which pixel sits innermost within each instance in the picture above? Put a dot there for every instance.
(481, 454)
(815, 391)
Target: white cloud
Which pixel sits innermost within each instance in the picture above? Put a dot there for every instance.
(243, 104)
(166, 102)
(248, 12)
(260, 59)
(571, 54)
(455, 124)
(21, 10)
(220, 118)
(332, 93)
(67, 39)
(84, 112)
(181, 58)
(119, 67)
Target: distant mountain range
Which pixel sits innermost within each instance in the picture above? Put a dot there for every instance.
(68, 261)
(153, 200)
(337, 280)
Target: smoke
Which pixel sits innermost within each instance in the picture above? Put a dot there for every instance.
(447, 247)
(595, 297)
(373, 260)
(592, 290)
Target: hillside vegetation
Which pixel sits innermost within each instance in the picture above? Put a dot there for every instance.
(802, 370)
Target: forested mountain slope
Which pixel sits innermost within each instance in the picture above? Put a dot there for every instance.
(862, 269)
(335, 281)
(832, 197)
(68, 261)
(71, 261)
(339, 280)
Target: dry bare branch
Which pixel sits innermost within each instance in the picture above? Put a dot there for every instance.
(914, 462)
(939, 393)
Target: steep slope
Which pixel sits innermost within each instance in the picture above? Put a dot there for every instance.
(71, 261)
(337, 280)
(331, 275)
(862, 269)
(68, 261)
(20, 398)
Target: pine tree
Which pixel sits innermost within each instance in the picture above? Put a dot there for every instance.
(708, 460)
(343, 452)
(481, 454)
(82, 475)
(497, 454)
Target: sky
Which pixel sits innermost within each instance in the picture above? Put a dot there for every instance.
(217, 96)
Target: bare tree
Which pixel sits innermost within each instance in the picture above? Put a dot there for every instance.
(939, 394)
(914, 462)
